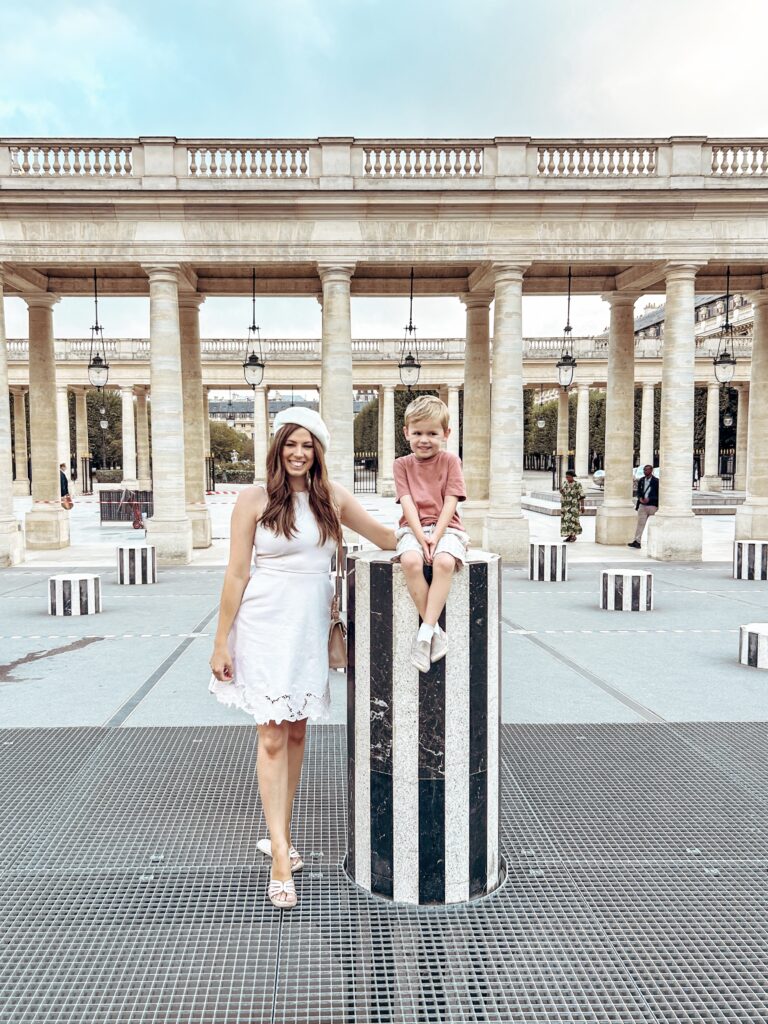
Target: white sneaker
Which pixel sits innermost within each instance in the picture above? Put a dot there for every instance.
(439, 647)
(420, 652)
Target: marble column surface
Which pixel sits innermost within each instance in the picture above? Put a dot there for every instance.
(21, 449)
(454, 438)
(581, 464)
(129, 439)
(194, 434)
(674, 533)
(476, 449)
(387, 481)
(616, 519)
(169, 529)
(11, 538)
(46, 525)
(63, 445)
(752, 516)
(647, 425)
(82, 448)
(742, 420)
(336, 370)
(142, 440)
(711, 481)
(506, 531)
(260, 435)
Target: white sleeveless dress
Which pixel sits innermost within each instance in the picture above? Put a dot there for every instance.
(279, 639)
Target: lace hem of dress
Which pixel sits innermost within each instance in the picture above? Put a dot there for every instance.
(286, 708)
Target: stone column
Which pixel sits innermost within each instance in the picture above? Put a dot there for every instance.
(581, 464)
(454, 438)
(194, 436)
(63, 446)
(82, 449)
(207, 421)
(742, 419)
(129, 480)
(616, 518)
(336, 401)
(21, 480)
(142, 441)
(169, 529)
(11, 538)
(477, 414)
(563, 436)
(260, 435)
(380, 437)
(711, 481)
(647, 425)
(387, 443)
(752, 516)
(675, 532)
(47, 523)
(506, 530)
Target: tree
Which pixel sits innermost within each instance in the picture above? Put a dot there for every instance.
(367, 427)
(225, 440)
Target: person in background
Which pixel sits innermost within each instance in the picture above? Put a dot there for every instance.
(647, 502)
(571, 504)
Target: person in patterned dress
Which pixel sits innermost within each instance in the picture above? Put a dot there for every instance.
(571, 505)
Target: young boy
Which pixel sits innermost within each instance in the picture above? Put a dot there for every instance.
(429, 485)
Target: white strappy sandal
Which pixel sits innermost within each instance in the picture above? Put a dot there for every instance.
(277, 888)
(265, 845)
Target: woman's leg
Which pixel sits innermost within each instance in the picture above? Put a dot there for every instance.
(297, 736)
(443, 568)
(273, 775)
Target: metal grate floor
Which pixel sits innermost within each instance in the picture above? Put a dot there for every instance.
(131, 889)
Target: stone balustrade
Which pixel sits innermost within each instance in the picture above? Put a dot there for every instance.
(346, 163)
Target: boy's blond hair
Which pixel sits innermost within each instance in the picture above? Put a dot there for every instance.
(428, 407)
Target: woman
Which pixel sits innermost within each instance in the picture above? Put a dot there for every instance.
(270, 655)
(571, 504)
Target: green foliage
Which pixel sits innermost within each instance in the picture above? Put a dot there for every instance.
(367, 427)
(106, 446)
(225, 440)
(235, 473)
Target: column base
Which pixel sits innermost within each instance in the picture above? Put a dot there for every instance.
(21, 489)
(473, 516)
(386, 487)
(172, 540)
(674, 538)
(129, 484)
(200, 518)
(710, 483)
(615, 524)
(508, 536)
(144, 484)
(46, 527)
(11, 543)
(751, 522)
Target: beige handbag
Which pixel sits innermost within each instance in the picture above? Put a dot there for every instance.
(337, 634)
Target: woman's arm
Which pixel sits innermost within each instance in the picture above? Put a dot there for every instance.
(248, 507)
(354, 516)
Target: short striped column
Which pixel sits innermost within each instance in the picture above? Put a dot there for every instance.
(136, 564)
(75, 594)
(423, 750)
(548, 563)
(753, 645)
(626, 591)
(750, 560)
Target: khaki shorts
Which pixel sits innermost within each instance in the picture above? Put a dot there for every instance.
(453, 542)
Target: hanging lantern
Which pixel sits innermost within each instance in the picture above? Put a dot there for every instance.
(253, 364)
(98, 368)
(724, 362)
(541, 422)
(566, 364)
(409, 365)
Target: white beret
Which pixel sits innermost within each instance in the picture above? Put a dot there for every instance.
(301, 416)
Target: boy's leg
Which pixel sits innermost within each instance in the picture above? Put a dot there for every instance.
(443, 568)
(413, 570)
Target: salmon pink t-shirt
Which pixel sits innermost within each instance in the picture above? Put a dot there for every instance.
(429, 481)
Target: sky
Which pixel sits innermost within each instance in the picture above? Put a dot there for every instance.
(375, 68)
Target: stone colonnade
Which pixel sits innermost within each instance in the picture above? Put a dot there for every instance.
(492, 429)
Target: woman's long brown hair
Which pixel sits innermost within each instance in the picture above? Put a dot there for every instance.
(279, 516)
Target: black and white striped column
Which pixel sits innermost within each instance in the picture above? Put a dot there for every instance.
(75, 594)
(750, 560)
(136, 564)
(626, 590)
(753, 645)
(423, 749)
(547, 563)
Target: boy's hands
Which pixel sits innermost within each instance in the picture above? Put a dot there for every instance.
(427, 548)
